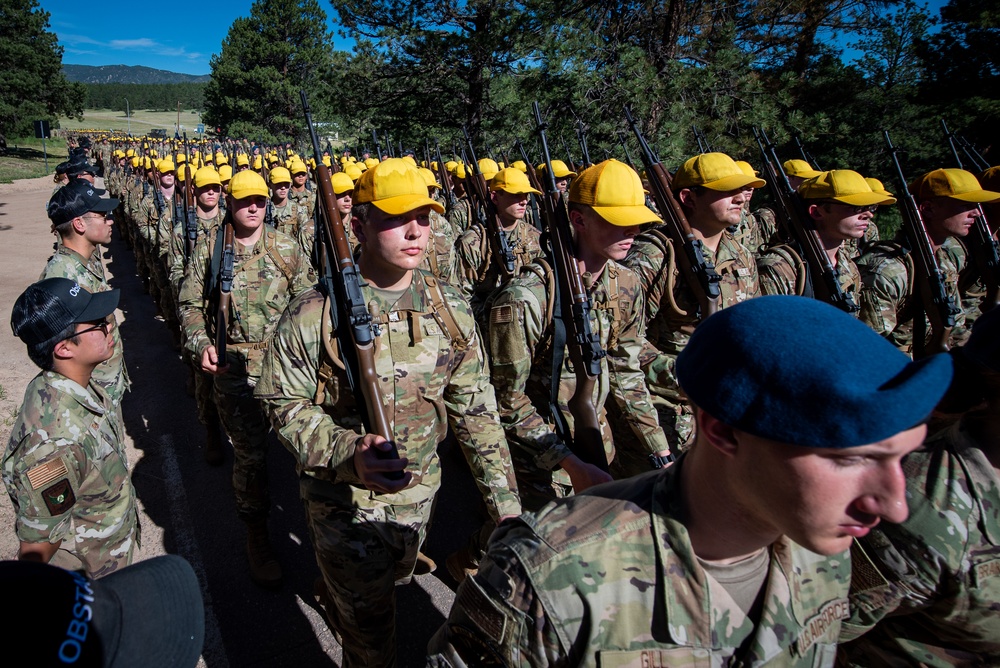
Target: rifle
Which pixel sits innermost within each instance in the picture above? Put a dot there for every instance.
(445, 177)
(939, 306)
(983, 244)
(378, 149)
(569, 156)
(536, 213)
(225, 291)
(628, 158)
(352, 323)
(571, 322)
(699, 136)
(698, 273)
(806, 155)
(191, 215)
(581, 136)
(487, 213)
(802, 229)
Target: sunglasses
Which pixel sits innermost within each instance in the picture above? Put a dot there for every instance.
(870, 208)
(104, 326)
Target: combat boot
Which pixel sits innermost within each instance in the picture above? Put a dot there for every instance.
(265, 570)
(462, 564)
(214, 453)
(424, 565)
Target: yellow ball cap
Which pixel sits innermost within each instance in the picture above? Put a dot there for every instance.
(225, 173)
(135, 161)
(613, 190)
(165, 165)
(247, 184)
(800, 168)
(954, 183)
(371, 162)
(746, 168)
(242, 160)
(327, 161)
(342, 182)
(220, 158)
(841, 185)
(206, 176)
(878, 187)
(559, 169)
(147, 163)
(279, 175)
(512, 180)
(410, 159)
(297, 167)
(715, 171)
(395, 187)
(428, 177)
(519, 164)
(181, 158)
(258, 162)
(990, 179)
(353, 171)
(488, 168)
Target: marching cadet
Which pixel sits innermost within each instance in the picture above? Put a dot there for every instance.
(366, 522)
(269, 271)
(210, 216)
(440, 250)
(301, 192)
(798, 171)
(343, 190)
(842, 206)
(283, 213)
(477, 271)
(855, 247)
(737, 554)
(562, 173)
(924, 592)
(65, 466)
(606, 210)
(242, 163)
(712, 191)
(460, 215)
(948, 200)
(755, 228)
(83, 222)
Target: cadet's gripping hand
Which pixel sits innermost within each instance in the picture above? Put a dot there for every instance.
(582, 474)
(371, 468)
(210, 362)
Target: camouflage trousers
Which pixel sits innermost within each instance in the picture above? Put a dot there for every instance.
(168, 305)
(536, 486)
(247, 426)
(204, 388)
(363, 553)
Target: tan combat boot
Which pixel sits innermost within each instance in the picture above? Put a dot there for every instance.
(264, 567)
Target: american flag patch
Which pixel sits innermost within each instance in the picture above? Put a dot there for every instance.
(502, 314)
(41, 475)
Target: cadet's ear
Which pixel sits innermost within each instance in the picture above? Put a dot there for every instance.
(686, 197)
(814, 212)
(357, 227)
(715, 433)
(576, 217)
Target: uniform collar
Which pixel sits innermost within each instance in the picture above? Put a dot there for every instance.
(91, 397)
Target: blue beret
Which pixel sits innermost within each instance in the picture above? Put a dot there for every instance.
(800, 371)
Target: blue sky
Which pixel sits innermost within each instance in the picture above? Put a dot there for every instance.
(177, 35)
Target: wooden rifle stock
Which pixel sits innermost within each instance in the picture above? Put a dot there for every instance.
(351, 320)
(586, 441)
(699, 273)
(939, 306)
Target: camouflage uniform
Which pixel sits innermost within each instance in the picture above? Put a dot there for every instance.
(521, 332)
(366, 542)
(668, 329)
(460, 216)
(439, 258)
(755, 229)
(476, 272)
(889, 300)
(609, 578)
(855, 247)
(306, 199)
(288, 218)
(110, 374)
(67, 474)
(266, 277)
(930, 585)
(780, 267)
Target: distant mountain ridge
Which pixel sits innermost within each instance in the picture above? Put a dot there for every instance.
(128, 74)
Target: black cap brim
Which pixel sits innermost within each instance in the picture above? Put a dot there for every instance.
(105, 205)
(101, 305)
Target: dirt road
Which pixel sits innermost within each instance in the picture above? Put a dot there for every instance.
(187, 507)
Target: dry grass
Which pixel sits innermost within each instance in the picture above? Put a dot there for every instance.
(142, 121)
(25, 158)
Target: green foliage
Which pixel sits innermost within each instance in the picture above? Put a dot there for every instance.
(158, 97)
(32, 86)
(266, 58)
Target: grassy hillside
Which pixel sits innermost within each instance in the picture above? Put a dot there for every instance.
(142, 121)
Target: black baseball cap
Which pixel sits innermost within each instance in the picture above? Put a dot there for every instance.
(80, 165)
(77, 198)
(48, 307)
(147, 614)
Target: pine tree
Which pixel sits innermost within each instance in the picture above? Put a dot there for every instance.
(281, 48)
(33, 86)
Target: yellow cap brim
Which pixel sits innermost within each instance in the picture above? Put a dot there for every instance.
(400, 204)
(734, 182)
(862, 199)
(627, 216)
(977, 196)
(806, 174)
(520, 191)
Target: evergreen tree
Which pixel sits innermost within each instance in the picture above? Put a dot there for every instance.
(33, 86)
(267, 58)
